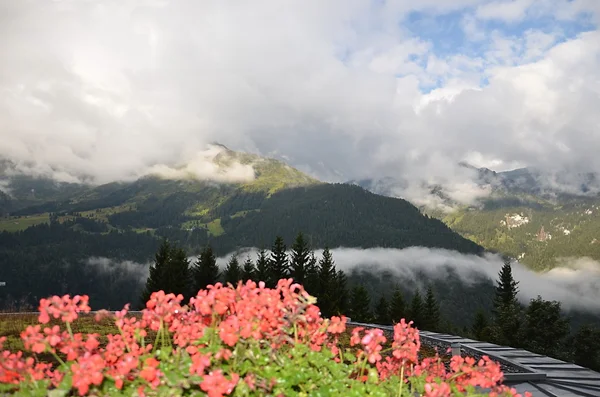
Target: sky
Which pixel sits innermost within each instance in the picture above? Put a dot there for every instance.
(341, 89)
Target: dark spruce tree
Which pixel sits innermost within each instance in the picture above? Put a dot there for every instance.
(248, 270)
(326, 290)
(299, 259)
(278, 262)
(341, 293)
(360, 305)
(382, 312)
(416, 309)
(507, 311)
(205, 271)
(480, 325)
(311, 285)
(169, 273)
(397, 307)
(506, 288)
(431, 312)
(233, 271)
(262, 267)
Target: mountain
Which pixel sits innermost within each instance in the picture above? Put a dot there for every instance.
(542, 219)
(53, 231)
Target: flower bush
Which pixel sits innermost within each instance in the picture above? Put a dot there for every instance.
(240, 341)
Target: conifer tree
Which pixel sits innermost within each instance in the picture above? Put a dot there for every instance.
(507, 311)
(312, 275)
(179, 275)
(479, 325)
(169, 273)
(506, 288)
(299, 258)
(248, 270)
(205, 271)
(397, 307)
(416, 309)
(382, 312)
(326, 291)
(157, 271)
(431, 312)
(233, 272)
(278, 262)
(360, 305)
(262, 267)
(341, 294)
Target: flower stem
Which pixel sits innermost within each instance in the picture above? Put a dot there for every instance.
(401, 381)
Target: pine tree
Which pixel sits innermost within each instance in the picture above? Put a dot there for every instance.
(157, 271)
(299, 258)
(341, 294)
(506, 289)
(311, 285)
(179, 275)
(278, 262)
(416, 309)
(326, 298)
(507, 311)
(169, 273)
(248, 270)
(233, 272)
(479, 325)
(360, 305)
(262, 267)
(205, 271)
(431, 312)
(382, 312)
(397, 307)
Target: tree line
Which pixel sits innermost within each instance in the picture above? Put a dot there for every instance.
(172, 271)
(540, 326)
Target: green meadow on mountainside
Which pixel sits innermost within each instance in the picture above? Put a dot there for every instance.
(49, 231)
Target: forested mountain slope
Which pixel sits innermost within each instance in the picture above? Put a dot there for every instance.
(49, 237)
(539, 221)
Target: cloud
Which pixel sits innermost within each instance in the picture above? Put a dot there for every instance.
(206, 166)
(343, 89)
(121, 269)
(505, 10)
(575, 282)
(4, 187)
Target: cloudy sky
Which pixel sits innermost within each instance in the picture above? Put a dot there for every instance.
(343, 89)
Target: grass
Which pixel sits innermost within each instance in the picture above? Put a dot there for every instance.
(17, 224)
(215, 228)
(241, 214)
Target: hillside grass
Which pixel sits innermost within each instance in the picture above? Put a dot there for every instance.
(580, 219)
(215, 228)
(17, 224)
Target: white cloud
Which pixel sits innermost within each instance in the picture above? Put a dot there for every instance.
(112, 90)
(505, 10)
(204, 165)
(575, 282)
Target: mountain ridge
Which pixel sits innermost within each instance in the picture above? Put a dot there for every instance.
(523, 215)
